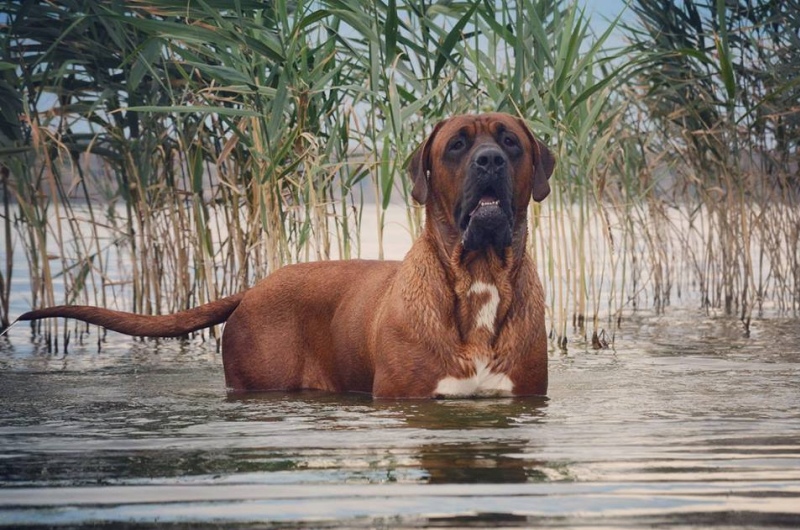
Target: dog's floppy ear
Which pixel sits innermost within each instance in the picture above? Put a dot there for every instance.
(419, 167)
(543, 165)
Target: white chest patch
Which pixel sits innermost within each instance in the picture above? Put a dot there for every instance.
(484, 383)
(487, 314)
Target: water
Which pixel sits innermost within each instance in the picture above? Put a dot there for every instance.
(685, 424)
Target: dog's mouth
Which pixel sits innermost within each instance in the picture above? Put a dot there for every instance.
(480, 206)
(487, 201)
(488, 223)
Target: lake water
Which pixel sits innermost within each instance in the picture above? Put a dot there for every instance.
(684, 423)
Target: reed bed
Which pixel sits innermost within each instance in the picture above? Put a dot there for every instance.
(160, 154)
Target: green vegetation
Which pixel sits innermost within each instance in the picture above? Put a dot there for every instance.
(155, 155)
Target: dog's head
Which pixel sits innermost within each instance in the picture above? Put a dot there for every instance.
(477, 173)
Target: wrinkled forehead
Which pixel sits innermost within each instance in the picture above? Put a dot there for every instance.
(485, 124)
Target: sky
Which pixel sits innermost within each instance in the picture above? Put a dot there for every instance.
(603, 10)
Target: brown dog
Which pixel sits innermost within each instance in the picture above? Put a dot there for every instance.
(462, 315)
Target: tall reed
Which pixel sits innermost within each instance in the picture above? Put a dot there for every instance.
(718, 84)
(204, 144)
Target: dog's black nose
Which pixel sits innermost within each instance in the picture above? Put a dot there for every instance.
(489, 158)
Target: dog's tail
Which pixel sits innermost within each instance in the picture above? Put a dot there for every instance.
(174, 325)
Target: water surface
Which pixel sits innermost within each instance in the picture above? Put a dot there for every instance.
(685, 423)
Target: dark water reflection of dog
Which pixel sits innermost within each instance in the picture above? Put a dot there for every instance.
(465, 441)
(486, 459)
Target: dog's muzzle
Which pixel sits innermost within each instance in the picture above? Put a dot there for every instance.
(486, 214)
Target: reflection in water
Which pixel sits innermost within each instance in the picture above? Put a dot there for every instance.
(469, 414)
(476, 462)
(686, 424)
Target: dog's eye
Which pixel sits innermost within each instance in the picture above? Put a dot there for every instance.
(456, 145)
(509, 141)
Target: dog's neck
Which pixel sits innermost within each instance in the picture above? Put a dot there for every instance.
(483, 286)
(481, 265)
(482, 281)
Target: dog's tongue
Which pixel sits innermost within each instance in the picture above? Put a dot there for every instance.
(485, 201)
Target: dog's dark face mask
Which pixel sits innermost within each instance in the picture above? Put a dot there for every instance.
(485, 213)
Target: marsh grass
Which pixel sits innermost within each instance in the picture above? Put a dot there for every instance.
(202, 145)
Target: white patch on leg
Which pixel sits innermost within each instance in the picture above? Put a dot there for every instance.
(487, 314)
(484, 383)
